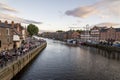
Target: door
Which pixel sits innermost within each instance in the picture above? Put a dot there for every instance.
(0, 43)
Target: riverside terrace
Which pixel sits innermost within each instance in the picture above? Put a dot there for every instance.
(8, 56)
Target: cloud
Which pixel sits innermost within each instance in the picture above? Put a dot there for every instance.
(17, 19)
(79, 21)
(5, 7)
(103, 7)
(109, 24)
(104, 16)
(82, 12)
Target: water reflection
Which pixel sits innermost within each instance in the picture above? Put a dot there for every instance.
(61, 62)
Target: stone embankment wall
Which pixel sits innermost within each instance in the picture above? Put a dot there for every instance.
(110, 52)
(104, 47)
(8, 72)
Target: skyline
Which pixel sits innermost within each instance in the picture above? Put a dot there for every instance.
(61, 14)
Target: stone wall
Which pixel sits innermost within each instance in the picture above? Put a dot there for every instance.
(8, 72)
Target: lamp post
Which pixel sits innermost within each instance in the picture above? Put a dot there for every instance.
(87, 32)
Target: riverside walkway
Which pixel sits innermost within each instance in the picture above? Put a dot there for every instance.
(7, 57)
(62, 62)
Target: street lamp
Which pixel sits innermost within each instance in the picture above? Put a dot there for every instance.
(87, 32)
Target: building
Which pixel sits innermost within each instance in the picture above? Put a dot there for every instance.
(85, 36)
(110, 34)
(95, 33)
(60, 36)
(75, 35)
(6, 33)
(63, 36)
(71, 34)
(11, 35)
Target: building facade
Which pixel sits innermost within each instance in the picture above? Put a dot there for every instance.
(85, 36)
(95, 33)
(110, 34)
(8, 33)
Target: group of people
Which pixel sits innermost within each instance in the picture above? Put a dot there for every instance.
(8, 56)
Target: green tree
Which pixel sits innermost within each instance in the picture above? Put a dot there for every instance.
(59, 31)
(32, 29)
(79, 31)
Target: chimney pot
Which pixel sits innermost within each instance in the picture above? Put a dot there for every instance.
(6, 22)
(12, 23)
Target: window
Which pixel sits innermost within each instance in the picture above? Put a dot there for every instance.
(8, 39)
(8, 33)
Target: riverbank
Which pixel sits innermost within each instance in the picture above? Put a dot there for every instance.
(61, 62)
(9, 71)
(103, 47)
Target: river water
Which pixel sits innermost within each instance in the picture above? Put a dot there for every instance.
(62, 62)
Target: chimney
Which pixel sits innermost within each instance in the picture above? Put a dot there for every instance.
(6, 22)
(19, 24)
(12, 23)
(18, 27)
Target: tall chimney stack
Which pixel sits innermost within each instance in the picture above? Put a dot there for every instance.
(12, 24)
(6, 22)
(18, 27)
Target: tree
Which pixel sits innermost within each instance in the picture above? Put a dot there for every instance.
(59, 31)
(32, 29)
(79, 31)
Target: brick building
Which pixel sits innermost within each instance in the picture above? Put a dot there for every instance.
(110, 34)
(72, 34)
(6, 39)
(95, 33)
(8, 33)
(75, 35)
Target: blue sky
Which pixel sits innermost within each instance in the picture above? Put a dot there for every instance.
(61, 14)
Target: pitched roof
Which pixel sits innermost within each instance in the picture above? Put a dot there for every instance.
(117, 29)
(103, 30)
(3, 25)
(16, 32)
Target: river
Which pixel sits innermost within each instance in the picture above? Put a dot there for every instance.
(62, 62)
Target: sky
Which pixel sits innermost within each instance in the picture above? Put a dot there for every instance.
(52, 15)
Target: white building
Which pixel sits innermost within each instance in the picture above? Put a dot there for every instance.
(85, 36)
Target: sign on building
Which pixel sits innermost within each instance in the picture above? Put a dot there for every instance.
(16, 38)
